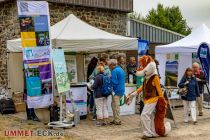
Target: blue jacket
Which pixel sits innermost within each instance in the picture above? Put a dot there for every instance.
(118, 81)
(193, 89)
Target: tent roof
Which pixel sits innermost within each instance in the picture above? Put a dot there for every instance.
(74, 35)
(188, 44)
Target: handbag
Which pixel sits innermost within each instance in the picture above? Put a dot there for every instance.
(183, 91)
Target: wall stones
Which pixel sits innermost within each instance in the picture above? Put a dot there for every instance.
(108, 20)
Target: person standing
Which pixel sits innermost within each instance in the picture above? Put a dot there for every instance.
(131, 69)
(91, 66)
(189, 100)
(121, 61)
(118, 83)
(100, 100)
(201, 81)
(102, 62)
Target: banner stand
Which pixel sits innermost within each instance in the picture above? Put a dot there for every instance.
(63, 87)
(61, 123)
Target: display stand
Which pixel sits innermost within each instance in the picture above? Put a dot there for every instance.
(62, 123)
(169, 113)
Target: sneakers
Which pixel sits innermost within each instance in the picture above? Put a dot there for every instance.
(98, 124)
(146, 137)
(195, 122)
(200, 113)
(115, 123)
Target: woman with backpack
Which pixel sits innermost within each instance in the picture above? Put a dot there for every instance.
(189, 90)
(100, 98)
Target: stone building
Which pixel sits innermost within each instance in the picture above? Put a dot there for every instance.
(109, 15)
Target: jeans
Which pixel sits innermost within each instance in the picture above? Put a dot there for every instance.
(90, 101)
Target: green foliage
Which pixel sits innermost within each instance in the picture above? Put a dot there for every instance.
(169, 18)
(136, 16)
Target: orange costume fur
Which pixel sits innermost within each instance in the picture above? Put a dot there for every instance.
(148, 69)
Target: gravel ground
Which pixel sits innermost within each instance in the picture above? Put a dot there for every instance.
(129, 130)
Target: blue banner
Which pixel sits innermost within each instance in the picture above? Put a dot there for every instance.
(143, 47)
(204, 56)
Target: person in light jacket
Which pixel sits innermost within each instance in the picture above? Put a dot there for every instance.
(189, 100)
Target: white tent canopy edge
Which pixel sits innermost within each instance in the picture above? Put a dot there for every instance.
(74, 35)
(184, 47)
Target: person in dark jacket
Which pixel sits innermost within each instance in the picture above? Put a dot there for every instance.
(200, 77)
(91, 66)
(100, 101)
(131, 70)
(189, 100)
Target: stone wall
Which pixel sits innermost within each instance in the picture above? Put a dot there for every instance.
(108, 20)
(9, 29)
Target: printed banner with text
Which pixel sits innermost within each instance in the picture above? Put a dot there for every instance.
(34, 31)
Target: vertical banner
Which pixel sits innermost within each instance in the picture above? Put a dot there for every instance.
(171, 73)
(204, 57)
(61, 75)
(34, 30)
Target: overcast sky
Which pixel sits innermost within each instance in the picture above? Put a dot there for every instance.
(195, 12)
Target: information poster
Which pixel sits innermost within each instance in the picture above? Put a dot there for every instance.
(34, 30)
(71, 68)
(171, 72)
(61, 75)
(204, 57)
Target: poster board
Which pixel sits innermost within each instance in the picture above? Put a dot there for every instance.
(36, 44)
(61, 76)
(71, 65)
(171, 70)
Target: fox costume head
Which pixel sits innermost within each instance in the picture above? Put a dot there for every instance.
(147, 67)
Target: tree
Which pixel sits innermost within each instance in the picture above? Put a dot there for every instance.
(136, 16)
(169, 18)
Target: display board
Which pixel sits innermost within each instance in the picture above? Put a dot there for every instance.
(61, 76)
(36, 44)
(71, 64)
(79, 93)
(171, 71)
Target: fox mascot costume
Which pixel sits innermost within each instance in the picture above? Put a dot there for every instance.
(155, 105)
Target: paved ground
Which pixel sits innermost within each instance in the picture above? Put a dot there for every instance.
(129, 130)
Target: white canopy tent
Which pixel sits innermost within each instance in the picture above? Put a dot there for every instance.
(74, 35)
(184, 47)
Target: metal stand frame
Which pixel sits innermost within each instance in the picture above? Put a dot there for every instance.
(61, 123)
